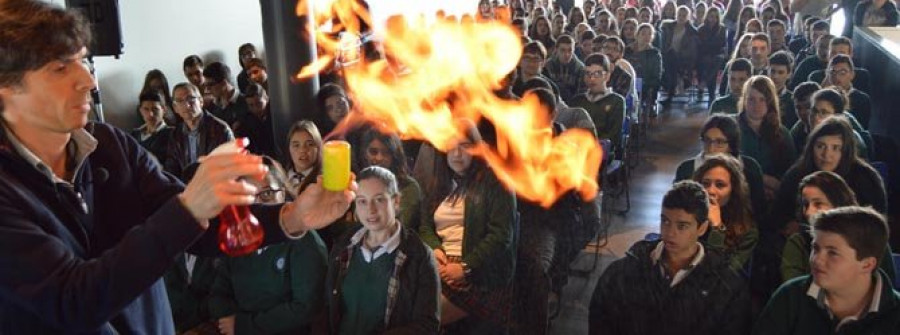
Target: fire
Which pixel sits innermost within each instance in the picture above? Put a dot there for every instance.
(451, 73)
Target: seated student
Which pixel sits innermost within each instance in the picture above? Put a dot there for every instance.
(229, 104)
(606, 108)
(802, 105)
(731, 224)
(386, 150)
(622, 77)
(829, 102)
(565, 69)
(763, 137)
(275, 289)
(532, 66)
(843, 46)
(720, 135)
(154, 134)
(586, 42)
(673, 286)
(816, 61)
(845, 293)
(739, 71)
(780, 66)
(470, 224)
(819, 192)
(741, 50)
(831, 148)
(840, 76)
(257, 124)
(257, 72)
(647, 62)
(381, 278)
(816, 28)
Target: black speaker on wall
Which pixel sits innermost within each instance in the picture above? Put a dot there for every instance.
(105, 25)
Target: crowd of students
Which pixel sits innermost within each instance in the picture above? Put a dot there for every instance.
(434, 243)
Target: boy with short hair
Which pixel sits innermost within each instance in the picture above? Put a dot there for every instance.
(846, 293)
(780, 67)
(606, 108)
(739, 70)
(672, 286)
(565, 69)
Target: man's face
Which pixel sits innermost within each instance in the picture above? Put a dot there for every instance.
(611, 50)
(759, 50)
(779, 75)
(822, 49)
(54, 98)
(187, 103)
(802, 106)
(595, 77)
(776, 34)
(565, 52)
(842, 75)
(587, 47)
(194, 75)
(258, 104)
(736, 80)
(815, 35)
(680, 230)
(833, 262)
(683, 16)
(532, 64)
(258, 75)
(151, 112)
(217, 89)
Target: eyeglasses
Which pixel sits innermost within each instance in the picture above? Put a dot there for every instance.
(594, 74)
(715, 143)
(191, 99)
(841, 72)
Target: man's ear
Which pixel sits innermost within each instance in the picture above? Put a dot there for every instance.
(396, 200)
(869, 264)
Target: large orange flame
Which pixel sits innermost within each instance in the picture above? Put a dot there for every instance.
(451, 73)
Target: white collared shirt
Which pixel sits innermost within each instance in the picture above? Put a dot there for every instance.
(387, 247)
(84, 143)
(656, 256)
(818, 293)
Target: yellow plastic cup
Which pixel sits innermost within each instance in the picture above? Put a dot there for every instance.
(336, 165)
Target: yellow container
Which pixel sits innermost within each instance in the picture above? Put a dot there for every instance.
(336, 165)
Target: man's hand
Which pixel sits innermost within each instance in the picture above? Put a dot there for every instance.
(216, 184)
(226, 325)
(317, 207)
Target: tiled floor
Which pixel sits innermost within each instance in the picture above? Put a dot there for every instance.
(673, 137)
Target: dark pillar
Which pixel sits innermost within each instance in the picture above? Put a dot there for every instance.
(288, 48)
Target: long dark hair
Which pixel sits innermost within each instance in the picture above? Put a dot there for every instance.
(157, 74)
(832, 126)
(834, 187)
(737, 213)
(392, 142)
(442, 184)
(729, 127)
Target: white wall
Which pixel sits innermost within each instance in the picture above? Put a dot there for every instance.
(158, 34)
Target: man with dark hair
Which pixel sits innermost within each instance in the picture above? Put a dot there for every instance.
(534, 55)
(154, 134)
(843, 46)
(229, 104)
(842, 75)
(606, 108)
(777, 32)
(622, 77)
(193, 71)
(780, 67)
(565, 69)
(90, 222)
(585, 44)
(257, 72)
(197, 135)
(675, 285)
(817, 61)
(845, 293)
(817, 29)
(257, 125)
(739, 70)
(802, 96)
(760, 49)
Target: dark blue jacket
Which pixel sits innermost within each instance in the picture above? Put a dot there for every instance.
(66, 272)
